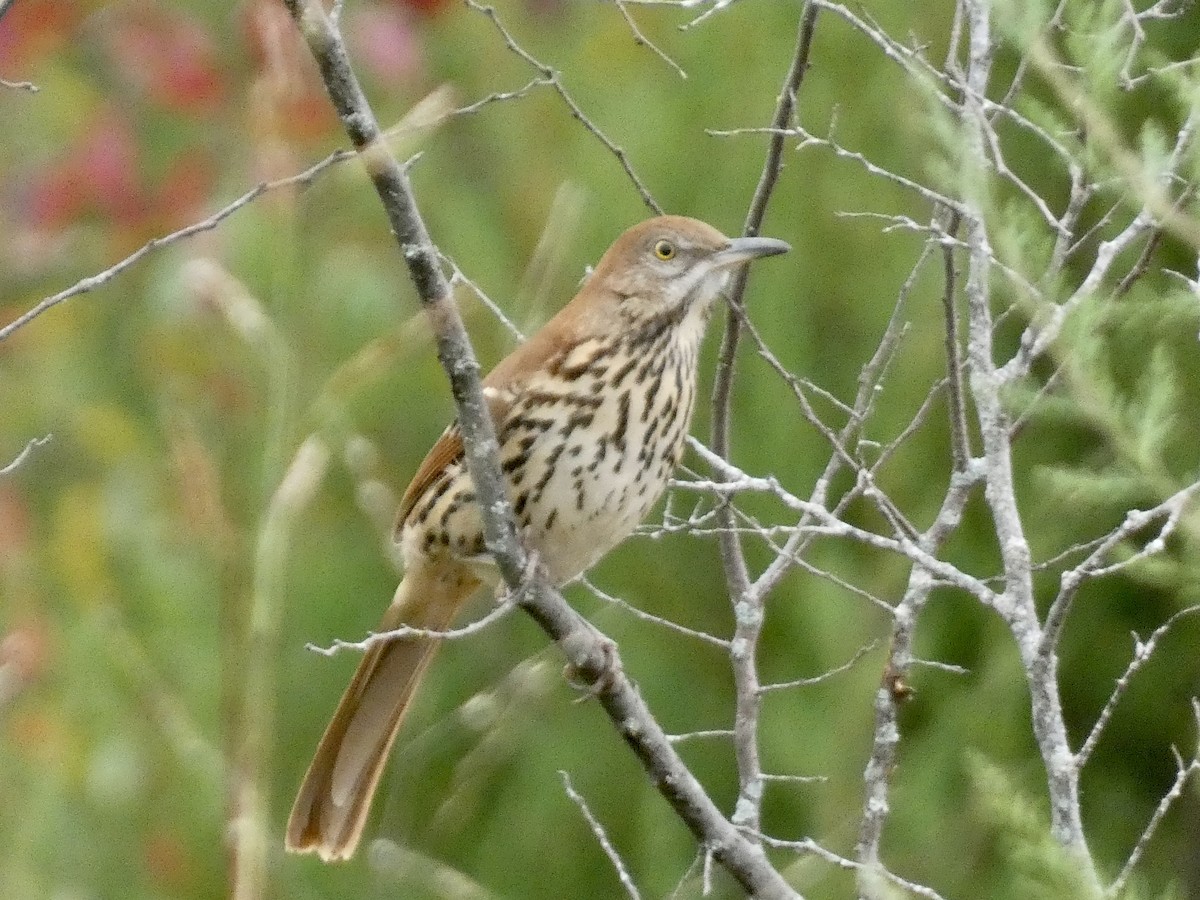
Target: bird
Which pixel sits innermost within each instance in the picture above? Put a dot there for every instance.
(591, 414)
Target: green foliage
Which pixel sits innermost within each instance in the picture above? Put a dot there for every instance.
(131, 546)
(1097, 42)
(1031, 863)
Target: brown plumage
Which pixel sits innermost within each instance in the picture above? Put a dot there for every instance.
(591, 414)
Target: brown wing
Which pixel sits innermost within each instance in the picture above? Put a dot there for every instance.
(447, 450)
(449, 447)
(501, 387)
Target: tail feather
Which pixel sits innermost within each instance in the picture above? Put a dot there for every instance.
(335, 797)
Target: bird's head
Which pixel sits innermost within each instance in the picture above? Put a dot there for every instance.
(670, 264)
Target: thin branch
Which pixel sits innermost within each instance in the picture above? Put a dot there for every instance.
(32, 445)
(795, 779)
(733, 480)
(650, 617)
(1141, 266)
(1183, 773)
(717, 6)
(824, 676)
(457, 276)
(1092, 567)
(641, 40)
(918, 419)
(927, 193)
(747, 604)
(451, 634)
(865, 873)
(602, 838)
(870, 385)
(554, 78)
(955, 370)
(912, 62)
(893, 689)
(499, 97)
(701, 735)
(928, 77)
(1068, 239)
(837, 442)
(1142, 652)
(1150, 187)
(1055, 22)
(102, 278)
(27, 86)
(425, 114)
(794, 557)
(689, 873)
(986, 384)
(1039, 336)
(940, 666)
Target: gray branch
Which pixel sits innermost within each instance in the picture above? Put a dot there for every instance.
(986, 384)
(748, 604)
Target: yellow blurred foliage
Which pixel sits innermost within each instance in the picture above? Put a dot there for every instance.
(78, 544)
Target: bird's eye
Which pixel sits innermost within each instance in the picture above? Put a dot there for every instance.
(664, 250)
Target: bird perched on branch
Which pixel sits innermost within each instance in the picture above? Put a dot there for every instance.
(591, 415)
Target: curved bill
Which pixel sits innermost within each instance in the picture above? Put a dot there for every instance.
(744, 249)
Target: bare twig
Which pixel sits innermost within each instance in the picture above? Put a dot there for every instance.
(1018, 607)
(25, 453)
(731, 480)
(1149, 186)
(706, 734)
(1184, 772)
(602, 838)
(1141, 266)
(808, 139)
(867, 875)
(717, 6)
(554, 78)
(795, 779)
(102, 278)
(893, 688)
(426, 114)
(451, 634)
(641, 40)
(748, 605)
(824, 676)
(1170, 511)
(650, 617)
(955, 371)
(1142, 652)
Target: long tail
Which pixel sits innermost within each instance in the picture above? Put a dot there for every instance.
(334, 798)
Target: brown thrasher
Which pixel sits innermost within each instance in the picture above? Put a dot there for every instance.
(591, 414)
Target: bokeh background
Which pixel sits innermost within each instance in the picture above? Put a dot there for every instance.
(136, 545)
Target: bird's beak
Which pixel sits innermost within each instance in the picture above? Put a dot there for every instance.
(744, 249)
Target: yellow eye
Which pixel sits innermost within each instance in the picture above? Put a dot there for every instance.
(664, 250)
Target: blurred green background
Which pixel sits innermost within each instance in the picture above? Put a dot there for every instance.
(135, 546)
